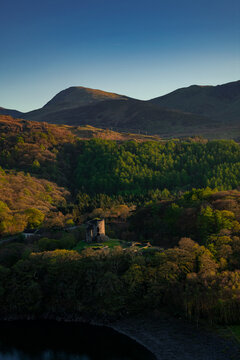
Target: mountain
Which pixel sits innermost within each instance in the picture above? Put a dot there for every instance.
(84, 106)
(10, 112)
(125, 115)
(210, 111)
(221, 102)
(76, 96)
(72, 98)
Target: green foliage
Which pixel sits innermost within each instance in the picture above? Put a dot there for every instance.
(211, 221)
(236, 332)
(26, 201)
(186, 279)
(177, 187)
(67, 241)
(111, 243)
(35, 217)
(36, 164)
(135, 168)
(11, 253)
(198, 214)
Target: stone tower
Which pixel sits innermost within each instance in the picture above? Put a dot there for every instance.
(95, 230)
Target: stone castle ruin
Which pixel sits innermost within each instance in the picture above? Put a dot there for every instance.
(95, 230)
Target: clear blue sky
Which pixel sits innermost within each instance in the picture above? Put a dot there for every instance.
(140, 48)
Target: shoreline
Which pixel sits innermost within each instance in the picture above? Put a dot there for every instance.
(167, 338)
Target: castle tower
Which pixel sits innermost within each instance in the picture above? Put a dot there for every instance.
(95, 230)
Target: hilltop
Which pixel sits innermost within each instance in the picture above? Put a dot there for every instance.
(209, 111)
(221, 102)
(72, 98)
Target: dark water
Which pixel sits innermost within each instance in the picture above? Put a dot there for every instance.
(50, 340)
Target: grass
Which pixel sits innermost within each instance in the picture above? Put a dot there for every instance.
(229, 332)
(235, 329)
(111, 243)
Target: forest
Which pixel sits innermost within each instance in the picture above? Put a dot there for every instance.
(179, 196)
(197, 279)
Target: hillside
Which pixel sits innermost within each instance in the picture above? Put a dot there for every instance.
(53, 152)
(209, 111)
(33, 147)
(72, 98)
(173, 205)
(10, 112)
(77, 96)
(11, 127)
(131, 116)
(198, 214)
(47, 150)
(221, 102)
(28, 202)
(104, 169)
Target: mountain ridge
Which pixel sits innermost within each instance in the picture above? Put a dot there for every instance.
(11, 112)
(75, 96)
(195, 110)
(216, 102)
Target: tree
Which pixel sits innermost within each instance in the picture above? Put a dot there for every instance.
(35, 217)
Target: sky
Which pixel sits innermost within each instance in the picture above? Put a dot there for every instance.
(138, 48)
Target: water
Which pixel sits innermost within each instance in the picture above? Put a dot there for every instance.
(50, 340)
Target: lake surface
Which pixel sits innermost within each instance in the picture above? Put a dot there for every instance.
(50, 340)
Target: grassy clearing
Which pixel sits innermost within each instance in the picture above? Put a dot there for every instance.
(111, 243)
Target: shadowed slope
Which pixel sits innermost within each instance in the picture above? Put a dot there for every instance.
(131, 115)
(11, 112)
(221, 102)
(210, 111)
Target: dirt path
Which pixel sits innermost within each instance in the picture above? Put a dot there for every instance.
(172, 339)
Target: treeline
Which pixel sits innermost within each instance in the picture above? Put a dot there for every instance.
(188, 280)
(132, 168)
(143, 173)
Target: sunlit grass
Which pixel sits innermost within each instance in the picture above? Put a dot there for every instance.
(111, 243)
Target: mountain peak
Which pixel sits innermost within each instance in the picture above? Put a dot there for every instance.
(220, 102)
(76, 96)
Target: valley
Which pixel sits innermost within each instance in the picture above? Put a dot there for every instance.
(171, 206)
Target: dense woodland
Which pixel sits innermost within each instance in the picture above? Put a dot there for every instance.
(181, 196)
